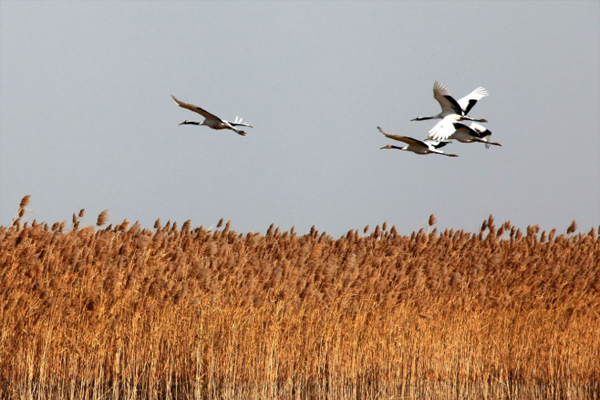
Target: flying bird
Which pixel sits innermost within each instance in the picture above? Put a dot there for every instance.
(448, 125)
(462, 133)
(426, 146)
(451, 106)
(211, 120)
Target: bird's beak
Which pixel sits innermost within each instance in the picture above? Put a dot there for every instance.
(183, 123)
(384, 147)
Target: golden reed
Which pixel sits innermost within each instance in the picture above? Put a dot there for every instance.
(191, 313)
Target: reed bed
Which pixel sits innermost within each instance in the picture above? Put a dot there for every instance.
(123, 312)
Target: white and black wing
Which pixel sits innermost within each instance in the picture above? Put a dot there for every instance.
(467, 102)
(447, 102)
(436, 144)
(442, 130)
(481, 130)
(483, 133)
(468, 130)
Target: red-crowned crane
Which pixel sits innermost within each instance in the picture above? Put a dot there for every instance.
(211, 120)
(449, 128)
(451, 106)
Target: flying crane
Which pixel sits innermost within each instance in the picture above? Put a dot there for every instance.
(211, 120)
(451, 106)
(426, 146)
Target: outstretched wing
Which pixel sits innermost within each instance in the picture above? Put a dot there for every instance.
(480, 129)
(467, 102)
(483, 132)
(197, 109)
(466, 130)
(405, 139)
(447, 102)
(442, 130)
(435, 144)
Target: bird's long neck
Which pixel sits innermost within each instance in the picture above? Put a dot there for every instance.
(186, 122)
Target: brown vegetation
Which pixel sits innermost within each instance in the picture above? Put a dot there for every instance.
(125, 312)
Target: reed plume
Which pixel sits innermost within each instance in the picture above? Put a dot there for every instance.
(183, 313)
(572, 228)
(431, 220)
(25, 201)
(102, 218)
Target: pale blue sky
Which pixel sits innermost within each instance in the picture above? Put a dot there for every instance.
(86, 120)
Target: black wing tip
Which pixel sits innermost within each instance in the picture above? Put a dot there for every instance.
(470, 105)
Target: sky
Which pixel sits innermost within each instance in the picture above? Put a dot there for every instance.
(87, 122)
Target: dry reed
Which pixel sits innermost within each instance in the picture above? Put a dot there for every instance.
(120, 313)
(102, 218)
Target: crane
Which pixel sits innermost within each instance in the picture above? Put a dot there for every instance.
(211, 120)
(450, 128)
(451, 106)
(426, 146)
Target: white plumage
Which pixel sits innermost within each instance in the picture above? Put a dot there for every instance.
(449, 128)
(451, 106)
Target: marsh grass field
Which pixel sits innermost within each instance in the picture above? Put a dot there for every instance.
(121, 312)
